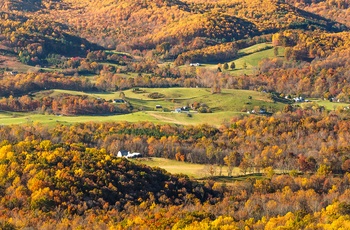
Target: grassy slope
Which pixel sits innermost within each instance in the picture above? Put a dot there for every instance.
(254, 48)
(228, 100)
(26, 118)
(330, 105)
(192, 170)
(215, 119)
(199, 171)
(156, 117)
(251, 56)
(225, 106)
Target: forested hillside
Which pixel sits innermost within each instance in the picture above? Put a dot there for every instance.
(337, 10)
(33, 39)
(253, 93)
(35, 29)
(70, 172)
(149, 23)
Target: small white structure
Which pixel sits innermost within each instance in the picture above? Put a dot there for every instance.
(195, 64)
(127, 154)
(123, 153)
(298, 99)
(133, 155)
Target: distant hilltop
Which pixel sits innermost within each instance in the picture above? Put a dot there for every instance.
(153, 24)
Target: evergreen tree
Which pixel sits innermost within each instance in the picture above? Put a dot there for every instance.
(225, 66)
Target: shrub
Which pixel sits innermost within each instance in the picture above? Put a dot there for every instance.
(156, 95)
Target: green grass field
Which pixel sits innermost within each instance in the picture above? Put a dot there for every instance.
(226, 101)
(156, 117)
(251, 56)
(196, 171)
(330, 105)
(255, 48)
(27, 118)
(5, 114)
(118, 52)
(225, 106)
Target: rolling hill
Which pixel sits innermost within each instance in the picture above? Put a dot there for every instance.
(93, 179)
(34, 31)
(336, 10)
(32, 39)
(144, 24)
(30, 5)
(223, 107)
(211, 89)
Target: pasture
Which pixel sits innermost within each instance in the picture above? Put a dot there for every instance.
(224, 106)
(28, 118)
(196, 171)
(330, 105)
(250, 56)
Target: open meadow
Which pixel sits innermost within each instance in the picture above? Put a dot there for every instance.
(251, 57)
(196, 171)
(224, 106)
(330, 105)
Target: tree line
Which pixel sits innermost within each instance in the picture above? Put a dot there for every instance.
(61, 105)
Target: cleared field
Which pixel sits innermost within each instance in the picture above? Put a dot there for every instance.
(255, 48)
(196, 171)
(156, 117)
(224, 106)
(5, 114)
(201, 171)
(170, 93)
(227, 100)
(251, 56)
(119, 53)
(55, 92)
(330, 105)
(197, 118)
(27, 118)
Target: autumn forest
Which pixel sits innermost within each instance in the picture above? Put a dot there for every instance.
(254, 94)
